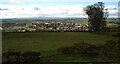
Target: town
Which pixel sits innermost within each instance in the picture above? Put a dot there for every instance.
(43, 27)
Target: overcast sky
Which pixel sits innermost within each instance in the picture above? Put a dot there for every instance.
(51, 8)
(62, 0)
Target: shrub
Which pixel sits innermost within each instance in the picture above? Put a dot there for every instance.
(111, 50)
(15, 57)
(79, 48)
(31, 56)
(11, 56)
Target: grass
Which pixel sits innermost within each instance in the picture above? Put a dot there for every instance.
(48, 42)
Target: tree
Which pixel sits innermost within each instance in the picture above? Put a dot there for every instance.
(97, 16)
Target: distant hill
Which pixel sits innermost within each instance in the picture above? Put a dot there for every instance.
(46, 19)
(39, 19)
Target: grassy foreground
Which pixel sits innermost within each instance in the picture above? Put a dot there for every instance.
(48, 42)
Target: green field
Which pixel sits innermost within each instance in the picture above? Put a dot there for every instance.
(48, 42)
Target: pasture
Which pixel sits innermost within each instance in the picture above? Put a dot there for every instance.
(48, 42)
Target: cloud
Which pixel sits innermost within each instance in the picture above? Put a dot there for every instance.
(16, 11)
(56, 11)
(14, 1)
(113, 11)
(65, 0)
(112, 7)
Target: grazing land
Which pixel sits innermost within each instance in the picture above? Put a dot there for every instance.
(48, 42)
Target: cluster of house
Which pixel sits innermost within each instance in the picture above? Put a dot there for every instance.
(43, 26)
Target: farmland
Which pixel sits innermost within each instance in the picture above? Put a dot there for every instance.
(48, 42)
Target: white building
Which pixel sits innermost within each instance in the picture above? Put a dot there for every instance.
(1, 28)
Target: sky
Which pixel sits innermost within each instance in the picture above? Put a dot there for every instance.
(51, 8)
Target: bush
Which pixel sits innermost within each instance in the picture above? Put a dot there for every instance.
(65, 50)
(15, 57)
(11, 56)
(111, 50)
(31, 56)
(79, 48)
